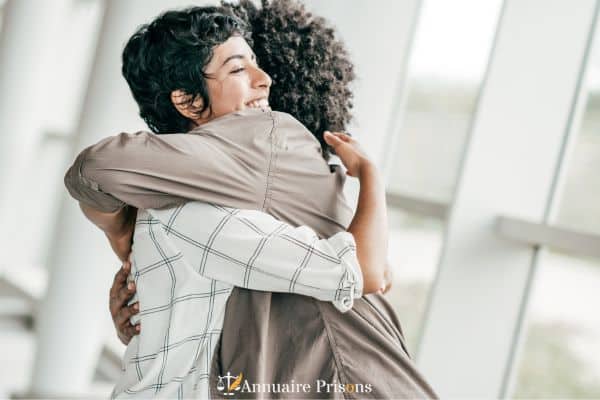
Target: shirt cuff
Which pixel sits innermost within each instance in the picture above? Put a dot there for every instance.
(351, 285)
(87, 191)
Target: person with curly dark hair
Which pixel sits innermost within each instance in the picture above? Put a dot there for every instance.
(300, 337)
(170, 54)
(299, 51)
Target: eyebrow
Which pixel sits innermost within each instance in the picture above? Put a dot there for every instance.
(236, 56)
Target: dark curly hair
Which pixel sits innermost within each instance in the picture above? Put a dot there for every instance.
(310, 67)
(170, 53)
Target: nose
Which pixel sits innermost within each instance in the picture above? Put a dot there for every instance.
(261, 79)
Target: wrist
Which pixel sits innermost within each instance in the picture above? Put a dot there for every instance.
(366, 169)
(120, 224)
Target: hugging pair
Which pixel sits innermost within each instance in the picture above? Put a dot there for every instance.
(246, 258)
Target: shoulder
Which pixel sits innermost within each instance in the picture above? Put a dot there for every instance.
(167, 142)
(247, 121)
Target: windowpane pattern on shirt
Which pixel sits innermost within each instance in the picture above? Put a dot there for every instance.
(185, 263)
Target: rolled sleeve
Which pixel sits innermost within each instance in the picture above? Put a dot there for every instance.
(86, 190)
(351, 286)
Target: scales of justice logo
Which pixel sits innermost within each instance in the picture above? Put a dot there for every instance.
(229, 383)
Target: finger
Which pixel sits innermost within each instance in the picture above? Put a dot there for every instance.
(121, 298)
(127, 312)
(120, 277)
(331, 139)
(123, 317)
(128, 332)
(115, 302)
(387, 289)
(388, 278)
(123, 339)
(343, 136)
(132, 330)
(125, 293)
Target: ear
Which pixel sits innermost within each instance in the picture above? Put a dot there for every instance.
(180, 101)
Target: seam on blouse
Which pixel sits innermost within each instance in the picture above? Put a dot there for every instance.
(272, 155)
(387, 322)
(339, 369)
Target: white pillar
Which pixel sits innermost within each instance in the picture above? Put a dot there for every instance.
(378, 36)
(74, 317)
(68, 76)
(517, 138)
(28, 43)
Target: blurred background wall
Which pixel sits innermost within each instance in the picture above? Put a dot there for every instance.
(484, 116)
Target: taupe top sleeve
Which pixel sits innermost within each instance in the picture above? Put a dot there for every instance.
(146, 170)
(265, 161)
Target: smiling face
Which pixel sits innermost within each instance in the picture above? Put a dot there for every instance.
(234, 82)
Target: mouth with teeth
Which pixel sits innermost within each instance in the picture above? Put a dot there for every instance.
(258, 103)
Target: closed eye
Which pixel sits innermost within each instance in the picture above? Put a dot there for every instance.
(238, 70)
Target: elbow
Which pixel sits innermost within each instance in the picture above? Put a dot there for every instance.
(372, 284)
(373, 276)
(76, 172)
(90, 185)
(74, 179)
(99, 161)
(376, 279)
(69, 178)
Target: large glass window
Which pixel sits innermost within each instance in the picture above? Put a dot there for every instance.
(449, 54)
(1, 13)
(414, 247)
(559, 358)
(579, 207)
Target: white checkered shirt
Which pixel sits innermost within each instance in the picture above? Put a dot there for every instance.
(186, 261)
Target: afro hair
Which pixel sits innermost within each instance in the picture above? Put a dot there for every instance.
(309, 65)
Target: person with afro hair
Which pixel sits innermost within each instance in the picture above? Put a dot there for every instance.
(267, 338)
(309, 65)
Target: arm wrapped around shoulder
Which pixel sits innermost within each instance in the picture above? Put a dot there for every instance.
(253, 250)
(146, 171)
(84, 188)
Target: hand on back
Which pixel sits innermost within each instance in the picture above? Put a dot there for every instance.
(349, 151)
(120, 294)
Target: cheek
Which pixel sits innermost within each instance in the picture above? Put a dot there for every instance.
(236, 90)
(231, 95)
